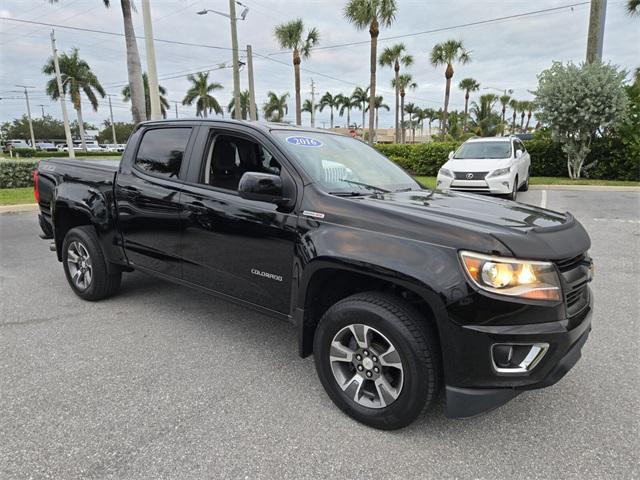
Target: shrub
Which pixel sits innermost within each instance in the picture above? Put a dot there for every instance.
(616, 160)
(16, 173)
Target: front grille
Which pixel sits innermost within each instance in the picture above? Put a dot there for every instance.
(476, 175)
(567, 264)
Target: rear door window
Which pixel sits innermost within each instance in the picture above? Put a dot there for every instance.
(161, 151)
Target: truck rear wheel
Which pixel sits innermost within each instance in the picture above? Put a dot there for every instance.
(89, 274)
(378, 359)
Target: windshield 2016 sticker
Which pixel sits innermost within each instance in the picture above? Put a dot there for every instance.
(304, 141)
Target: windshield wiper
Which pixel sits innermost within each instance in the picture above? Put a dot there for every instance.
(347, 194)
(366, 185)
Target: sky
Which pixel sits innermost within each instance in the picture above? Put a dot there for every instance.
(505, 54)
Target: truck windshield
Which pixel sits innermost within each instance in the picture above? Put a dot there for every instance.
(342, 164)
(476, 150)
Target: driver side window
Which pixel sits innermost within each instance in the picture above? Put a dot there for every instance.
(230, 156)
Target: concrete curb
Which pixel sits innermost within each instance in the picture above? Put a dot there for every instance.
(25, 207)
(593, 188)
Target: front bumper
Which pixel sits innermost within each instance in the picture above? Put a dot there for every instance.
(481, 388)
(493, 185)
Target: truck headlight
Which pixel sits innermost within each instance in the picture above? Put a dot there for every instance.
(508, 276)
(445, 173)
(500, 172)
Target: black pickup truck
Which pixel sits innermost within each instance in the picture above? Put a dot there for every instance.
(396, 289)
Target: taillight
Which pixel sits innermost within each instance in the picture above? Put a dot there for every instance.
(36, 185)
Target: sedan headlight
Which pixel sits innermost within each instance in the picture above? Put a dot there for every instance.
(445, 172)
(500, 172)
(508, 276)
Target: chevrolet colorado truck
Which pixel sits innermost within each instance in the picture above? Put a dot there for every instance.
(397, 290)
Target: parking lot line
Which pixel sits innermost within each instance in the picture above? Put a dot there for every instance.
(543, 199)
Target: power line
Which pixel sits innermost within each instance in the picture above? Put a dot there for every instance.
(115, 34)
(443, 29)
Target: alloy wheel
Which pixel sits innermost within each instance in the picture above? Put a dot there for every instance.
(366, 366)
(79, 264)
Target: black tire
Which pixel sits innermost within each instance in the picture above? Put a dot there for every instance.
(104, 279)
(412, 336)
(525, 186)
(514, 191)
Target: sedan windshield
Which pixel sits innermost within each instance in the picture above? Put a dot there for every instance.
(345, 165)
(476, 150)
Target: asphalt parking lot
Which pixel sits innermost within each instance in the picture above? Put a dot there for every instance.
(164, 382)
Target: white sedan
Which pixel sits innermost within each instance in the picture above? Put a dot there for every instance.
(494, 165)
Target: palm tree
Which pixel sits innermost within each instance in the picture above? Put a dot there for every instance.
(412, 109)
(290, 36)
(468, 85)
(421, 115)
(331, 101)
(504, 102)
(360, 96)
(430, 115)
(524, 106)
(77, 78)
(370, 14)
(531, 107)
(245, 102)
(446, 54)
(405, 82)
(394, 56)
(134, 68)
(485, 119)
(633, 7)
(346, 103)
(275, 108)
(378, 104)
(200, 93)
(164, 103)
(308, 107)
(515, 106)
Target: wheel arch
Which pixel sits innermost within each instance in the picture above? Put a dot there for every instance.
(328, 281)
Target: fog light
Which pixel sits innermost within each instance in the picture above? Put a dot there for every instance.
(517, 358)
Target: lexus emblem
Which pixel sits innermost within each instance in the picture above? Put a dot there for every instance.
(469, 176)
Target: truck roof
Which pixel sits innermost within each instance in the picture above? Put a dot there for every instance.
(259, 124)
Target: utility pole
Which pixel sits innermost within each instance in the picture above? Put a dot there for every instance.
(313, 104)
(152, 71)
(176, 105)
(42, 107)
(113, 127)
(253, 114)
(595, 37)
(26, 96)
(236, 68)
(63, 105)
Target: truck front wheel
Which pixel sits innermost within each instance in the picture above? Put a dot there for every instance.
(378, 359)
(87, 271)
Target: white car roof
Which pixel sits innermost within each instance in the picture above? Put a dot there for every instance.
(489, 139)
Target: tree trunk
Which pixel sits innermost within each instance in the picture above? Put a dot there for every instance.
(448, 74)
(466, 111)
(376, 119)
(348, 117)
(363, 110)
(134, 69)
(332, 118)
(526, 127)
(521, 121)
(513, 122)
(296, 68)
(374, 31)
(402, 116)
(80, 125)
(397, 70)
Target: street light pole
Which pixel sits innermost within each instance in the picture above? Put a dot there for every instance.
(236, 68)
(26, 96)
(595, 36)
(152, 71)
(234, 47)
(253, 114)
(42, 107)
(113, 127)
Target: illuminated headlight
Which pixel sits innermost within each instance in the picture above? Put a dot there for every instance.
(508, 276)
(500, 172)
(445, 173)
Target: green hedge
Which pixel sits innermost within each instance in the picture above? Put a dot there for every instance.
(616, 161)
(17, 173)
(31, 152)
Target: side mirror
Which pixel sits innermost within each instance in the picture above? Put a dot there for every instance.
(263, 187)
(451, 154)
(518, 153)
